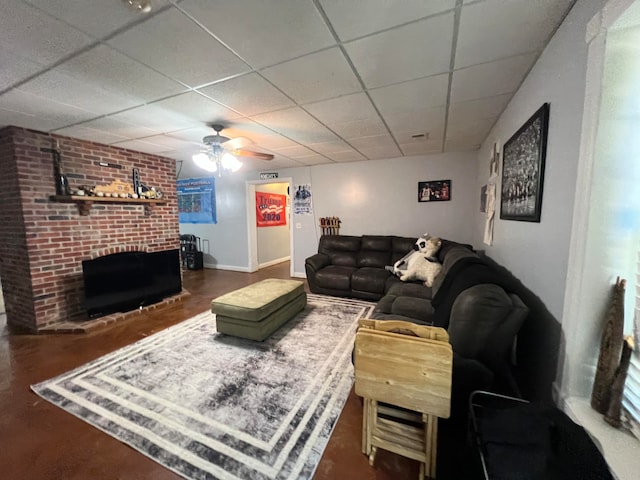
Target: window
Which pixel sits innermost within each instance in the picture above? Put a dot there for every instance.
(631, 397)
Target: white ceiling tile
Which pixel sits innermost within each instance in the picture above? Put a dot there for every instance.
(381, 152)
(90, 134)
(416, 50)
(347, 156)
(356, 18)
(413, 95)
(196, 107)
(21, 68)
(265, 32)
(496, 29)
(140, 146)
(194, 134)
(297, 152)
(75, 91)
(478, 110)
(417, 121)
(421, 148)
(372, 141)
(94, 17)
(314, 77)
(349, 116)
(314, 160)
(160, 117)
(248, 94)
(104, 73)
(328, 148)
(31, 33)
(172, 143)
(490, 79)
(359, 128)
(35, 122)
(272, 141)
(463, 144)
(297, 125)
(468, 129)
(23, 102)
(119, 127)
(174, 45)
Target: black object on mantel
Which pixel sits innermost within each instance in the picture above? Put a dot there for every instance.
(62, 183)
(192, 257)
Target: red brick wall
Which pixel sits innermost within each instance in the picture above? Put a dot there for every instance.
(42, 242)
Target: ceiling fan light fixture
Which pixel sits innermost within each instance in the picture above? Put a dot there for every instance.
(229, 162)
(205, 162)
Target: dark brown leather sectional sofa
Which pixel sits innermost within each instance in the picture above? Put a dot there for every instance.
(474, 301)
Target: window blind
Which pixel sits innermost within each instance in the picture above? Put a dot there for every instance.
(631, 395)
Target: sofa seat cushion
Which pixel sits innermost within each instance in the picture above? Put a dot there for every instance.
(369, 279)
(409, 289)
(418, 309)
(335, 277)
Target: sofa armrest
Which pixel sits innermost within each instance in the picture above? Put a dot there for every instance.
(317, 261)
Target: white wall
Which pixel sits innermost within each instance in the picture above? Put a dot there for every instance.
(537, 253)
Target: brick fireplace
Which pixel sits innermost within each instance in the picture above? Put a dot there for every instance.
(43, 242)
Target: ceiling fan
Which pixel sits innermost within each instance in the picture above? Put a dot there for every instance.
(220, 153)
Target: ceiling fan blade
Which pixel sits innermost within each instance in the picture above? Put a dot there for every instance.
(238, 143)
(249, 154)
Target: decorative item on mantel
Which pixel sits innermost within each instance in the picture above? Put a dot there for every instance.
(61, 181)
(330, 225)
(611, 368)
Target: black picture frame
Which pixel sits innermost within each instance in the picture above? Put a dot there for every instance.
(434, 191)
(523, 161)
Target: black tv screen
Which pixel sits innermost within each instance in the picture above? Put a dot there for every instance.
(125, 281)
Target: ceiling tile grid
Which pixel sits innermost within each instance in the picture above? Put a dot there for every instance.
(309, 81)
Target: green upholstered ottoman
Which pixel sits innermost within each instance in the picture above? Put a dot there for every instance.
(256, 311)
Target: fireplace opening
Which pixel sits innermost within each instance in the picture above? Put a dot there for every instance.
(125, 281)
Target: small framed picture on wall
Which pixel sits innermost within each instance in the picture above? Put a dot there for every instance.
(434, 191)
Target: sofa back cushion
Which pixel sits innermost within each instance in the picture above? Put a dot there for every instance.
(375, 251)
(484, 322)
(342, 250)
(400, 246)
(454, 253)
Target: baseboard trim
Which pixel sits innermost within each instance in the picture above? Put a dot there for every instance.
(233, 268)
(274, 262)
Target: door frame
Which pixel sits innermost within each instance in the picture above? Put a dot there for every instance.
(252, 229)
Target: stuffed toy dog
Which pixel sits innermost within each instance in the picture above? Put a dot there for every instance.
(401, 266)
(423, 266)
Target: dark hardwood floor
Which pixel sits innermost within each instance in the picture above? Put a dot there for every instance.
(41, 441)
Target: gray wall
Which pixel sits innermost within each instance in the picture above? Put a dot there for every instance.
(372, 197)
(537, 253)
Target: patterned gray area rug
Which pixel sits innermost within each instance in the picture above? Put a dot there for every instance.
(212, 406)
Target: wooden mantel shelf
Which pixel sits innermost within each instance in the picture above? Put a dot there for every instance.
(85, 202)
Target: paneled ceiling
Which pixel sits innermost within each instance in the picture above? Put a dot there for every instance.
(310, 81)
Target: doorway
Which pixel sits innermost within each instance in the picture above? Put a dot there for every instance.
(272, 244)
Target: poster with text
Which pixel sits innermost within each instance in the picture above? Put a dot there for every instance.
(270, 209)
(302, 200)
(196, 200)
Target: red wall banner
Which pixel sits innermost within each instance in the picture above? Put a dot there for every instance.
(270, 209)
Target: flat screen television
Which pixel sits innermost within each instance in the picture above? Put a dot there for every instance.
(125, 281)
